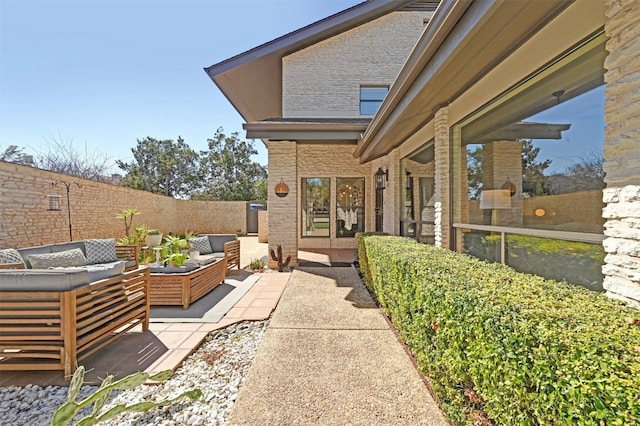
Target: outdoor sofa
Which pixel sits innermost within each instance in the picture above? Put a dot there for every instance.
(61, 303)
(217, 246)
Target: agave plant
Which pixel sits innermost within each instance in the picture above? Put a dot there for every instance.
(68, 410)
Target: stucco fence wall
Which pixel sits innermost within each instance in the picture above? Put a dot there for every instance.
(25, 220)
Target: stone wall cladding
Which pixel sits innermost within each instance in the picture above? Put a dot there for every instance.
(25, 220)
(324, 80)
(622, 159)
(263, 226)
(283, 228)
(441, 146)
(334, 161)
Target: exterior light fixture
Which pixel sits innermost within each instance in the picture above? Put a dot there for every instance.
(54, 201)
(281, 189)
(408, 182)
(510, 186)
(381, 177)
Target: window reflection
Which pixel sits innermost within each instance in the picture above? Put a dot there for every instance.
(349, 206)
(315, 207)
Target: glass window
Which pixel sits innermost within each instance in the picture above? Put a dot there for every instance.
(371, 98)
(349, 206)
(533, 160)
(315, 207)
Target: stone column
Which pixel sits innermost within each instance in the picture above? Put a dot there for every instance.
(502, 161)
(622, 152)
(442, 179)
(283, 212)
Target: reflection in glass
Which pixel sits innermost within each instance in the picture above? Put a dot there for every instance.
(349, 206)
(315, 207)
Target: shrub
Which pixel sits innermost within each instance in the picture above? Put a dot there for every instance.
(522, 349)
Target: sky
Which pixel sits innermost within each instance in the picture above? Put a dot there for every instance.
(101, 74)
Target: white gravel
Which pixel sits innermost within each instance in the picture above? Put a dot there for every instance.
(217, 368)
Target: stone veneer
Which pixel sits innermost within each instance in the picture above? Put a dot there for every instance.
(324, 79)
(27, 222)
(442, 209)
(622, 152)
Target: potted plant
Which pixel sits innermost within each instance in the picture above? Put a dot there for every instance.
(153, 238)
(177, 259)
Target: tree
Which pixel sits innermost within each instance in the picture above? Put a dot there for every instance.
(534, 182)
(64, 157)
(162, 167)
(587, 174)
(229, 172)
(14, 154)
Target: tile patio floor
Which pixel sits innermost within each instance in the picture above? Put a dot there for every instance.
(165, 345)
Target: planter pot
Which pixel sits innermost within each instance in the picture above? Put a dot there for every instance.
(153, 240)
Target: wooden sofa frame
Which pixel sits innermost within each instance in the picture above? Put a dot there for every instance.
(232, 253)
(42, 330)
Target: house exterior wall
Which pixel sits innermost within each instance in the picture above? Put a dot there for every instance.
(622, 152)
(283, 221)
(333, 161)
(25, 220)
(323, 80)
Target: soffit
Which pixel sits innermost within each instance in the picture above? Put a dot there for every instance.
(476, 42)
(252, 81)
(343, 131)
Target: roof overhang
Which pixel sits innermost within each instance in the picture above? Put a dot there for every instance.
(309, 131)
(252, 81)
(463, 41)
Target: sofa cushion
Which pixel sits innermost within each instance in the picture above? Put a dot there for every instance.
(10, 256)
(105, 270)
(67, 258)
(201, 244)
(216, 241)
(68, 246)
(26, 252)
(100, 250)
(42, 279)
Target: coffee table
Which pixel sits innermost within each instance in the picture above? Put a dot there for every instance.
(184, 288)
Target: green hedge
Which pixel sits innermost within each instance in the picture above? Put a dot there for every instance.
(511, 346)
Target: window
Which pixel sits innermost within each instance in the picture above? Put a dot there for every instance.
(315, 207)
(532, 171)
(371, 98)
(349, 206)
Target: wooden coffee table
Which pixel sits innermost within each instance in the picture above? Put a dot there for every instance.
(185, 288)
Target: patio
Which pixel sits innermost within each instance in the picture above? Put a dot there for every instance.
(166, 344)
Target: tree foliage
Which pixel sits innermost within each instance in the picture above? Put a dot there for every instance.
(163, 167)
(15, 154)
(228, 171)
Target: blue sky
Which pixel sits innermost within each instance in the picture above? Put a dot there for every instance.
(104, 73)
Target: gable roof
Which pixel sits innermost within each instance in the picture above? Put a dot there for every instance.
(252, 81)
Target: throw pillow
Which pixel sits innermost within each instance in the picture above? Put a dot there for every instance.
(100, 251)
(10, 256)
(67, 258)
(201, 244)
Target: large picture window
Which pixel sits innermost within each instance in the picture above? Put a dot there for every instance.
(315, 207)
(532, 172)
(349, 206)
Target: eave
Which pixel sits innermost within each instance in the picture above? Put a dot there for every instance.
(463, 41)
(308, 131)
(252, 81)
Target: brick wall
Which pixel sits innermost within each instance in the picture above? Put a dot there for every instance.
(324, 80)
(621, 151)
(25, 220)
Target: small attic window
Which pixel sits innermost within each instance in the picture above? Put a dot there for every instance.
(371, 98)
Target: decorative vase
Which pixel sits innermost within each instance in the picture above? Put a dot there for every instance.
(153, 240)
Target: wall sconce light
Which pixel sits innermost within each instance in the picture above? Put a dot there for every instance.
(408, 183)
(281, 189)
(381, 177)
(54, 201)
(510, 186)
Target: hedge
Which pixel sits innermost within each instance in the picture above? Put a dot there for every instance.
(511, 347)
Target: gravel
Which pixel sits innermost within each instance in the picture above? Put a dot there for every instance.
(217, 368)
